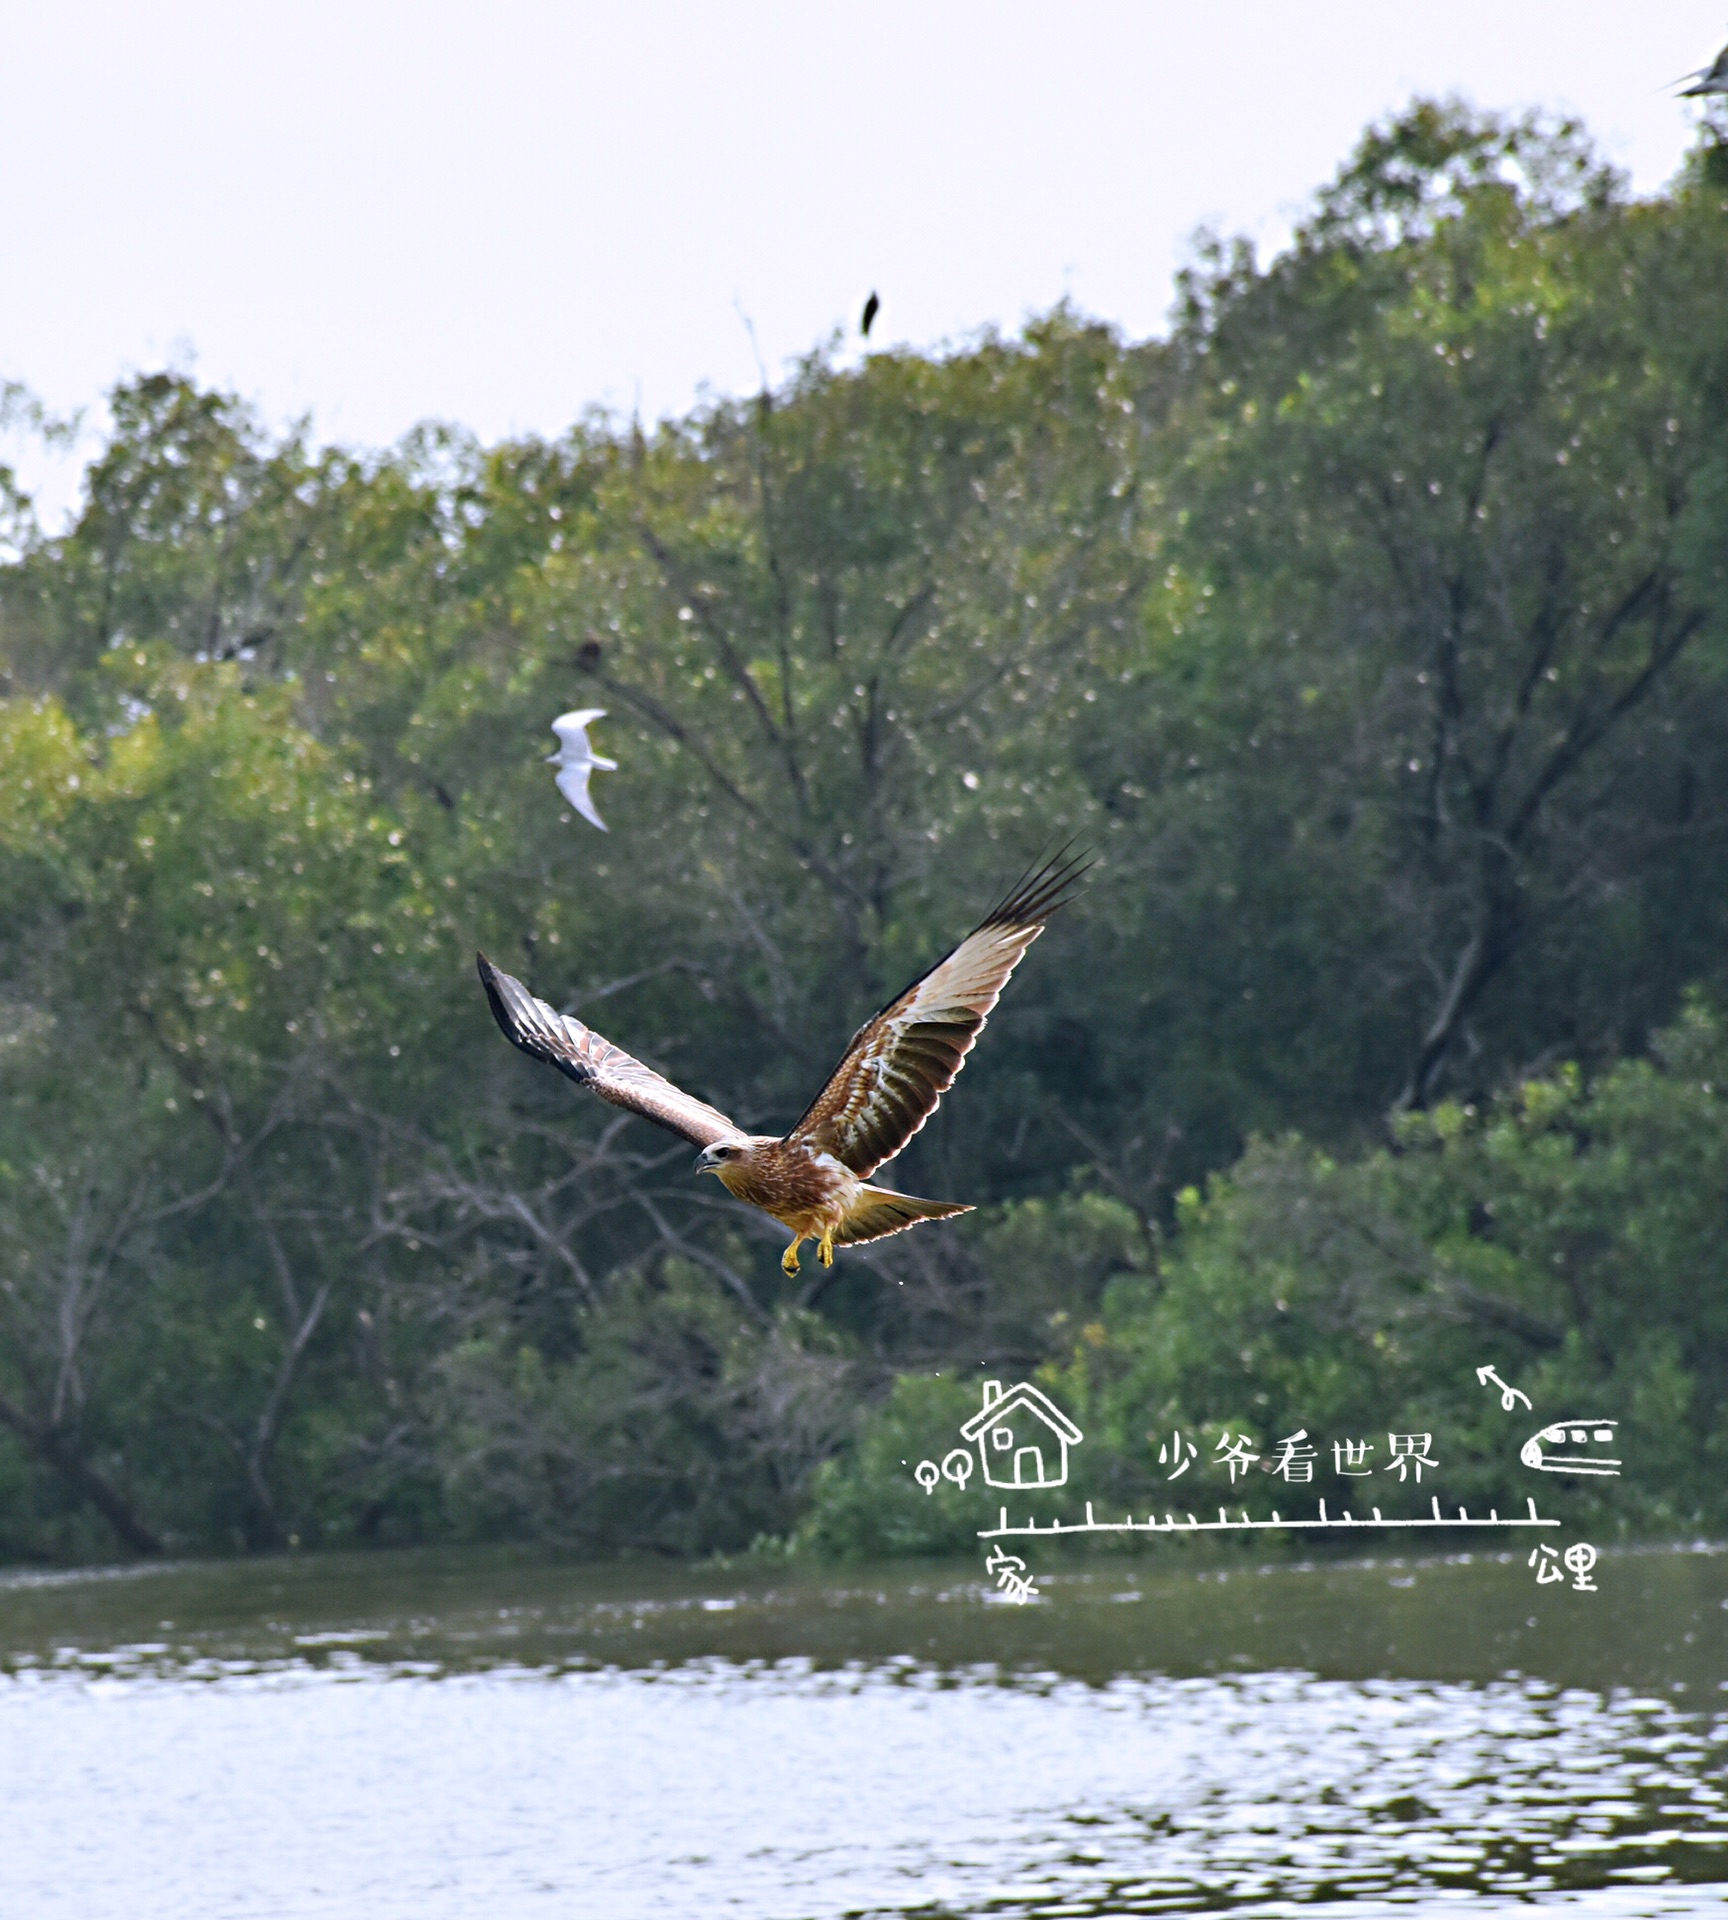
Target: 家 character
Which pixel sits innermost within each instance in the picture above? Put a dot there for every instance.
(1350, 1457)
(1012, 1578)
(1018, 1587)
(1409, 1450)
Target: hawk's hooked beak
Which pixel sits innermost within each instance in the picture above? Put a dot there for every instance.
(707, 1161)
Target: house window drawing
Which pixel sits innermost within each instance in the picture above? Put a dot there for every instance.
(1022, 1438)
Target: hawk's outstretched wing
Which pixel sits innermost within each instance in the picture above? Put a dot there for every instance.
(564, 1043)
(901, 1063)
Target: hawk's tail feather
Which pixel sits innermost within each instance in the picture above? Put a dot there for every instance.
(876, 1213)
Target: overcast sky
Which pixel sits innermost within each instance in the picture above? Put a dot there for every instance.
(501, 214)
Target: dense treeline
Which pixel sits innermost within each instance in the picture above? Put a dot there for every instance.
(1372, 628)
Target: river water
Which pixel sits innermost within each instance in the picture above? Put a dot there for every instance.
(442, 1735)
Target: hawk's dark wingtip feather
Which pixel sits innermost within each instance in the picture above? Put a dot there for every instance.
(1043, 890)
(510, 1021)
(489, 978)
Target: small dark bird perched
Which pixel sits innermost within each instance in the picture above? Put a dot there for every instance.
(872, 307)
(1710, 79)
(814, 1180)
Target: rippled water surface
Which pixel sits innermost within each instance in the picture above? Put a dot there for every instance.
(439, 1736)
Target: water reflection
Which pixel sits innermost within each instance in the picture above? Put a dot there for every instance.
(441, 1736)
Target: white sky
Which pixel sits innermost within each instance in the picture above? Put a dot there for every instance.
(502, 213)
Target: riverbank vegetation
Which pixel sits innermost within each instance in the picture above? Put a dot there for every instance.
(1373, 629)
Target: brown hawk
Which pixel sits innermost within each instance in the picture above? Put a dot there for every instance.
(813, 1180)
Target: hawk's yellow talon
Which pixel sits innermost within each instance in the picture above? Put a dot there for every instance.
(789, 1259)
(825, 1248)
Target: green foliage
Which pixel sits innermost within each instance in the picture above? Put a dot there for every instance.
(1450, 568)
(1371, 628)
(674, 1429)
(1572, 1234)
(870, 1503)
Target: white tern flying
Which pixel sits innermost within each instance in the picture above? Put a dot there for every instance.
(576, 760)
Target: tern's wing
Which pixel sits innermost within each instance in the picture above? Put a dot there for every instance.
(572, 728)
(563, 1042)
(573, 784)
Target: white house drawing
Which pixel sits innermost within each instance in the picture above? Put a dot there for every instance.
(1014, 1432)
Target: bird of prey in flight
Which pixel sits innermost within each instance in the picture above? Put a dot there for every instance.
(872, 307)
(576, 761)
(1710, 79)
(814, 1179)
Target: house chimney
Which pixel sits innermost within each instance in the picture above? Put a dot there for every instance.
(992, 1392)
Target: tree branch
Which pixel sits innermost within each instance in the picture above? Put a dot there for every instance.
(50, 1446)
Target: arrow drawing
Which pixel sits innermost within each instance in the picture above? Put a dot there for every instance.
(1508, 1395)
